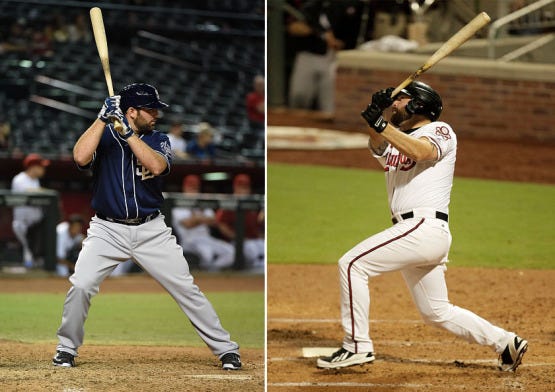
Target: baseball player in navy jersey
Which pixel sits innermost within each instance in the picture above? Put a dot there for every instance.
(127, 167)
(418, 154)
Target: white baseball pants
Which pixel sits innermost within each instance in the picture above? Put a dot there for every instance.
(313, 76)
(417, 247)
(153, 247)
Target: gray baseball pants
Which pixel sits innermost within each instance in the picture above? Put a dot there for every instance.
(154, 248)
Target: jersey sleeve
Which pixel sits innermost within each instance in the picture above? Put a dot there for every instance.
(163, 147)
(442, 136)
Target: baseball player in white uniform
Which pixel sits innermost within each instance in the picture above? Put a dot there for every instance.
(69, 237)
(26, 217)
(192, 226)
(418, 155)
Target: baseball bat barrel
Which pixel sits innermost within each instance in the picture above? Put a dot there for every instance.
(459, 38)
(102, 47)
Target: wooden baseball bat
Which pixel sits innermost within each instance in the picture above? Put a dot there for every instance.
(102, 47)
(449, 46)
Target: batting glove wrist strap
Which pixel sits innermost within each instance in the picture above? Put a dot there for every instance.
(126, 133)
(379, 125)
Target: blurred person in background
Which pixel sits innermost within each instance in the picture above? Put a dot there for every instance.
(177, 141)
(253, 245)
(202, 147)
(322, 29)
(255, 104)
(5, 129)
(193, 225)
(79, 30)
(26, 220)
(69, 236)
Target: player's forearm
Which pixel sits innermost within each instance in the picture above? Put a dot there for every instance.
(413, 148)
(377, 143)
(149, 158)
(88, 142)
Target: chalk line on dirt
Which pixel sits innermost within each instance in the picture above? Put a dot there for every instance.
(336, 320)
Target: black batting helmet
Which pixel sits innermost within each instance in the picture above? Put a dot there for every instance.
(140, 95)
(425, 100)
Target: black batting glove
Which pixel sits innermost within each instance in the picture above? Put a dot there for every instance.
(373, 116)
(382, 98)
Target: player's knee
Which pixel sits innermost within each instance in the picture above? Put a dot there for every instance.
(436, 315)
(344, 262)
(87, 286)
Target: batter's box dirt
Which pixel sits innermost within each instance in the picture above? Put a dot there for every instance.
(27, 367)
(410, 356)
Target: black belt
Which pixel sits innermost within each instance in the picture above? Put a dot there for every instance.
(410, 214)
(130, 222)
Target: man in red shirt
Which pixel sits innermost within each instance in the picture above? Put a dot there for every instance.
(253, 245)
(255, 104)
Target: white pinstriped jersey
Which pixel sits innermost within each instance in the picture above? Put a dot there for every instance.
(425, 184)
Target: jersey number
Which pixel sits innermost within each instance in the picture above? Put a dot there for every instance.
(143, 172)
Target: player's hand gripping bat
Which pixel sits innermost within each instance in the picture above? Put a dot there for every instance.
(102, 46)
(453, 43)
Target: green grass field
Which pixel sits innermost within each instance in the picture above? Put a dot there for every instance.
(315, 214)
(132, 319)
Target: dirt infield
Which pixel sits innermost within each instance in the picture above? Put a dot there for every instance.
(303, 300)
(27, 367)
(303, 311)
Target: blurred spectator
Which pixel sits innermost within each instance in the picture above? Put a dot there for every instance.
(17, 39)
(80, 30)
(255, 104)
(69, 236)
(192, 226)
(5, 129)
(26, 220)
(177, 142)
(60, 28)
(253, 246)
(323, 29)
(41, 45)
(202, 147)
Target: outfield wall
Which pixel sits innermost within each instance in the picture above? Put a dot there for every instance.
(481, 98)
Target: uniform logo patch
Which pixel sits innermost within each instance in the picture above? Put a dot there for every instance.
(443, 132)
(166, 148)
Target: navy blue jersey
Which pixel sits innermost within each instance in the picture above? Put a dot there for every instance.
(122, 187)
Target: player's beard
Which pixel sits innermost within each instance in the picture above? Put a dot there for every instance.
(143, 126)
(399, 116)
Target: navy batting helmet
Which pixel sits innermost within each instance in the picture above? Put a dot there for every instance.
(140, 95)
(425, 100)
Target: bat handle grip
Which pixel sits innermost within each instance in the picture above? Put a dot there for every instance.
(118, 126)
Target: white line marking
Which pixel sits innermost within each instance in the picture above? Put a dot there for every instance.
(492, 362)
(346, 384)
(220, 376)
(311, 352)
(336, 320)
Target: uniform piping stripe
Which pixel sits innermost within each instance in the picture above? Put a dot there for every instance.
(134, 190)
(349, 275)
(122, 174)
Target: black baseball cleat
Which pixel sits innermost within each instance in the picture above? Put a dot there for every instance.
(63, 359)
(343, 358)
(231, 361)
(511, 357)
